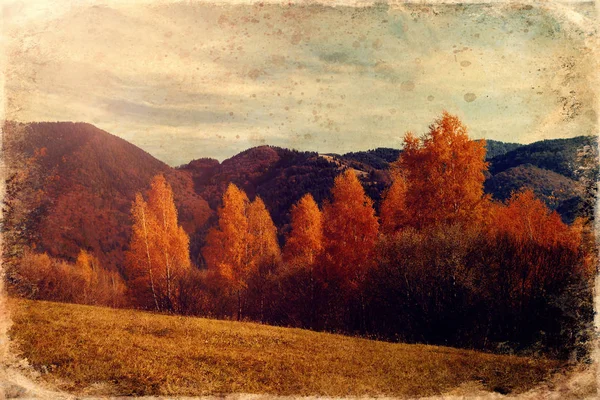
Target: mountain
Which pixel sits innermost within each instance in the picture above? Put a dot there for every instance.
(495, 148)
(381, 157)
(279, 176)
(572, 158)
(562, 172)
(549, 186)
(378, 158)
(70, 186)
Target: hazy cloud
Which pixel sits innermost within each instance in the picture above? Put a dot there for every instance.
(190, 80)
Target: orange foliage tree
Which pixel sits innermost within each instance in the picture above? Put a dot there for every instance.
(529, 223)
(305, 241)
(350, 231)
(264, 253)
(100, 286)
(262, 234)
(525, 217)
(444, 172)
(88, 267)
(244, 241)
(40, 276)
(303, 248)
(158, 255)
(535, 268)
(226, 250)
(393, 213)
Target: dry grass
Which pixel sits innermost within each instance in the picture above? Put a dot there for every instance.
(94, 350)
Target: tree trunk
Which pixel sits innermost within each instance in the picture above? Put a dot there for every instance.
(312, 316)
(363, 317)
(149, 262)
(239, 314)
(166, 250)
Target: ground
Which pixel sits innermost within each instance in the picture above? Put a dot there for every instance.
(102, 351)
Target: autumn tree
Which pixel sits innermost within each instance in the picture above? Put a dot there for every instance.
(97, 284)
(243, 246)
(350, 230)
(173, 243)
(141, 267)
(527, 223)
(525, 217)
(305, 241)
(36, 277)
(88, 267)
(262, 236)
(530, 265)
(85, 281)
(350, 234)
(444, 172)
(393, 213)
(228, 244)
(264, 253)
(302, 249)
(158, 255)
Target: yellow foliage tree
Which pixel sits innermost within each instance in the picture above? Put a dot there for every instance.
(88, 267)
(444, 172)
(392, 212)
(158, 255)
(227, 245)
(305, 242)
(265, 254)
(350, 231)
(303, 248)
(262, 234)
(244, 240)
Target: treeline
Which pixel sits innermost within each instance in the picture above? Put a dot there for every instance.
(85, 281)
(441, 263)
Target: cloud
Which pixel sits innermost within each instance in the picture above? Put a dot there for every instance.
(320, 78)
(169, 115)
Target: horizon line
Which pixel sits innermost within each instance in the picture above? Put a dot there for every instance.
(5, 121)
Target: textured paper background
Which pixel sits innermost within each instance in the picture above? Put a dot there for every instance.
(164, 76)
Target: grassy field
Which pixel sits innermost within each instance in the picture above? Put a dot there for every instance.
(94, 350)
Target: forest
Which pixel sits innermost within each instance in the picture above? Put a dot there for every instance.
(439, 262)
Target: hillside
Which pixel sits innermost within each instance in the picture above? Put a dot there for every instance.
(279, 176)
(495, 148)
(70, 186)
(101, 351)
(562, 172)
(381, 157)
(559, 172)
(549, 186)
(572, 158)
(378, 158)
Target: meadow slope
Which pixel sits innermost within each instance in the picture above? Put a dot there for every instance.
(103, 351)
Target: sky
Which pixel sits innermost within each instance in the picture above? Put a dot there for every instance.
(185, 80)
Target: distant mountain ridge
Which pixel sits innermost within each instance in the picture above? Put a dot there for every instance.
(496, 148)
(568, 157)
(70, 185)
(562, 172)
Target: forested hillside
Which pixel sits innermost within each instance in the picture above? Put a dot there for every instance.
(72, 185)
(562, 172)
(406, 245)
